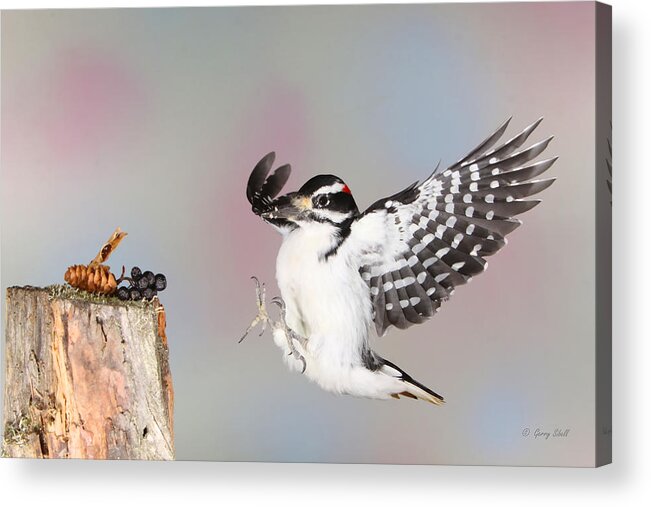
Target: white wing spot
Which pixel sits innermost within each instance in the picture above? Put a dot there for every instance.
(495, 171)
(457, 240)
(414, 301)
(442, 252)
(449, 208)
(427, 239)
(474, 176)
(489, 215)
(474, 167)
(387, 286)
(418, 248)
(421, 277)
(413, 260)
(428, 262)
(470, 229)
(470, 211)
(457, 265)
(374, 291)
(495, 184)
(492, 160)
(474, 186)
(490, 198)
(389, 306)
(451, 221)
(430, 291)
(441, 277)
(404, 303)
(509, 198)
(467, 198)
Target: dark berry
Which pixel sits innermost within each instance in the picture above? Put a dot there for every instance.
(135, 273)
(148, 293)
(160, 282)
(134, 294)
(150, 278)
(123, 293)
(142, 283)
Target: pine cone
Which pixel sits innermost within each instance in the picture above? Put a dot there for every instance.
(96, 279)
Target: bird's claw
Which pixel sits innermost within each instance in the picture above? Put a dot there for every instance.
(290, 334)
(300, 358)
(262, 316)
(277, 300)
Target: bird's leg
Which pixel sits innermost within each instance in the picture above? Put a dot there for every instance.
(289, 333)
(262, 316)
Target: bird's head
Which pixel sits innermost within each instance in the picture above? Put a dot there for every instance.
(322, 199)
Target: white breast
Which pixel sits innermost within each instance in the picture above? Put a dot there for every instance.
(327, 300)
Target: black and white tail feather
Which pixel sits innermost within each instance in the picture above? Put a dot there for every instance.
(414, 248)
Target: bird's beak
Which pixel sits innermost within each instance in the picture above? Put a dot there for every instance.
(288, 207)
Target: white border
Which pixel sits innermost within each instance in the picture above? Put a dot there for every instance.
(626, 482)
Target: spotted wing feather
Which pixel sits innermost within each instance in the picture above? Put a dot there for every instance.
(421, 243)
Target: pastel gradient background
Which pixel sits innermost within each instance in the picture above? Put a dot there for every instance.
(151, 119)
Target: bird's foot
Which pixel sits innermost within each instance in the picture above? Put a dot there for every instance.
(289, 333)
(262, 317)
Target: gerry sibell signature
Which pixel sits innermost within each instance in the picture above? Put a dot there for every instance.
(540, 434)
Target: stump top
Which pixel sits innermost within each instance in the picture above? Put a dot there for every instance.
(70, 293)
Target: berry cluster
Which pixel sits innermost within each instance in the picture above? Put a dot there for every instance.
(142, 285)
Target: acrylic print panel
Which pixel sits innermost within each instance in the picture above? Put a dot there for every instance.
(154, 119)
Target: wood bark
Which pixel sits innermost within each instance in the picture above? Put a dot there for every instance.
(86, 378)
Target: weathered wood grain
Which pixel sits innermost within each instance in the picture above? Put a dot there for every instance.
(86, 377)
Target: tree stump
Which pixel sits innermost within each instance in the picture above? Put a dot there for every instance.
(86, 377)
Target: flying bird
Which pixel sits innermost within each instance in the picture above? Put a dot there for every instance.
(344, 275)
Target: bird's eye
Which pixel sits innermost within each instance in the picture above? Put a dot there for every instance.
(323, 201)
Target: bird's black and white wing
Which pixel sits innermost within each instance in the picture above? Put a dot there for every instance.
(261, 189)
(419, 244)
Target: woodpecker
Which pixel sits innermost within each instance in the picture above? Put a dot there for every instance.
(344, 275)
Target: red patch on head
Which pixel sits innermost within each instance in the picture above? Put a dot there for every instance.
(346, 189)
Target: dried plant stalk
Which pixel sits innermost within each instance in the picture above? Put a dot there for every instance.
(108, 247)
